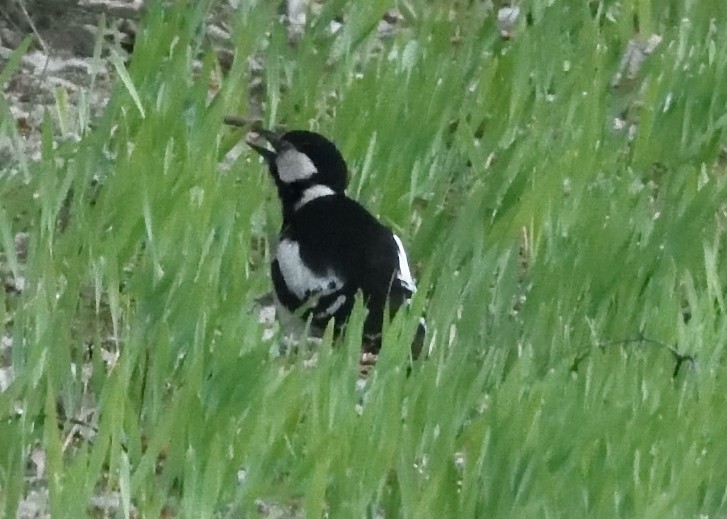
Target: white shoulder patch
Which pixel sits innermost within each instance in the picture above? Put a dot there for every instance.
(403, 273)
(294, 165)
(299, 278)
(312, 193)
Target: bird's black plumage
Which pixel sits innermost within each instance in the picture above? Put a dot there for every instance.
(330, 247)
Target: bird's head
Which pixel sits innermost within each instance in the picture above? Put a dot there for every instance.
(300, 159)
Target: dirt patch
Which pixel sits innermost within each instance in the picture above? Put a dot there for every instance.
(60, 64)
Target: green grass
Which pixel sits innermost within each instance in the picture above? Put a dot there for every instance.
(543, 241)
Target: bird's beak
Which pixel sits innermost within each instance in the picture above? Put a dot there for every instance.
(257, 135)
(275, 141)
(271, 137)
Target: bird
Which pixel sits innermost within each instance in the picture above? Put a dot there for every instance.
(330, 247)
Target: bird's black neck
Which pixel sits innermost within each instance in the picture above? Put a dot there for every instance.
(295, 195)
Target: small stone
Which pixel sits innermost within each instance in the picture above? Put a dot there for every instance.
(507, 18)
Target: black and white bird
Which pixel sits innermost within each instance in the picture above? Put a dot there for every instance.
(330, 247)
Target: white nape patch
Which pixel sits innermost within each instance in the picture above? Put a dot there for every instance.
(294, 165)
(403, 273)
(312, 193)
(299, 278)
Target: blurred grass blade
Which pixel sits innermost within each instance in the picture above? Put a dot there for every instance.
(14, 60)
(118, 64)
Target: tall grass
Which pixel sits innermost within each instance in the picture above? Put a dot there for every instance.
(560, 263)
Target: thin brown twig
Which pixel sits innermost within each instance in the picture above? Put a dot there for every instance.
(679, 358)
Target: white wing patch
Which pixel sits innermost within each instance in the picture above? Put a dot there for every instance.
(403, 273)
(294, 165)
(299, 278)
(312, 193)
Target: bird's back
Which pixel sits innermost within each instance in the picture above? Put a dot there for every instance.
(336, 233)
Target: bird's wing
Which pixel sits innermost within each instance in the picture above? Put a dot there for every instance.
(404, 284)
(403, 274)
(396, 291)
